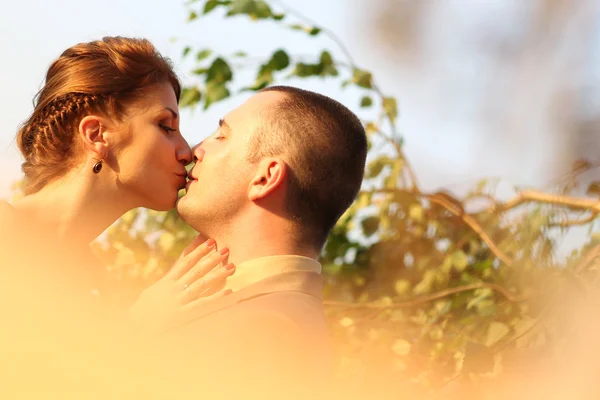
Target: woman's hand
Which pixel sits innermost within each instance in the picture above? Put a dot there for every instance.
(197, 278)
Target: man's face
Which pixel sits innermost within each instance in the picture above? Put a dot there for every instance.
(220, 180)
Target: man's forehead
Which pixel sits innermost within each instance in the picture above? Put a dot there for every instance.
(257, 105)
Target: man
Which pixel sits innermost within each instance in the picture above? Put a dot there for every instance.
(269, 185)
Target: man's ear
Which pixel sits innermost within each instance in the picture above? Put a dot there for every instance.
(93, 134)
(270, 175)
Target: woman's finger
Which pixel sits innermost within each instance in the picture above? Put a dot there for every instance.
(213, 281)
(185, 263)
(198, 240)
(203, 266)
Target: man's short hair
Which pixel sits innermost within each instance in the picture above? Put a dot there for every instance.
(325, 146)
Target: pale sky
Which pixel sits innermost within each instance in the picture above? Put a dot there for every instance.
(443, 138)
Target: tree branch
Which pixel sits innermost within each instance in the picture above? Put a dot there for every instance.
(529, 196)
(432, 297)
(455, 207)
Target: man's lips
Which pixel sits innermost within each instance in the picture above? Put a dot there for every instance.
(182, 180)
(190, 178)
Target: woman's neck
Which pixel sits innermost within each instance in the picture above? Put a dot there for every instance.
(76, 209)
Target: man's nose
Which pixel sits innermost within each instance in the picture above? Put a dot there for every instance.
(198, 153)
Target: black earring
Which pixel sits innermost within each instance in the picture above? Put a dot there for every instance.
(97, 167)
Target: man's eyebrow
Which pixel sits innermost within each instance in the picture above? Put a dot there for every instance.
(175, 116)
(223, 124)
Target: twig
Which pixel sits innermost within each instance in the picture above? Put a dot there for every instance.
(568, 222)
(332, 35)
(432, 297)
(472, 223)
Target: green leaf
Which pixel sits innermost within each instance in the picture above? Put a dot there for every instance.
(401, 287)
(370, 225)
(219, 72)
(362, 78)
(240, 54)
(210, 5)
(415, 212)
(189, 97)
(278, 17)
(459, 260)
(303, 70)
(366, 101)
(496, 331)
(263, 79)
(391, 108)
(214, 93)
(192, 16)
(279, 60)
(375, 167)
(314, 31)
(327, 65)
(186, 51)
(200, 71)
(255, 9)
(202, 54)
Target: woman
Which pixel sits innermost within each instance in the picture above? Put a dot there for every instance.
(103, 139)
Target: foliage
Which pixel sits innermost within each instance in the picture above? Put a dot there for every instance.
(433, 291)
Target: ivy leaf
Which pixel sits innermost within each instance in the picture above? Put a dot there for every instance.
(314, 31)
(327, 65)
(459, 260)
(200, 71)
(192, 16)
(362, 78)
(370, 225)
(415, 212)
(279, 60)
(190, 97)
(210, 5)
(376, 166)
(219, 72)
(303, 70)
(214, 93)
(202, 54)
(255, 9)
(391, 108)
(401, 287)
(366, 101)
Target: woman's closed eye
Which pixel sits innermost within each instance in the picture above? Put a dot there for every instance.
(167, 129)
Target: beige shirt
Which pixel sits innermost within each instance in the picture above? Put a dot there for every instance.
(255, 270)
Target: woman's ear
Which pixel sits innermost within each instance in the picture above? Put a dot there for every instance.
(270, 175)
(92, 133)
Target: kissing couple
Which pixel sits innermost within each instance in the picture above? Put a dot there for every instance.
(240, 314)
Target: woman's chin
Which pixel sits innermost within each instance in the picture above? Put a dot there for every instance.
(165, 204)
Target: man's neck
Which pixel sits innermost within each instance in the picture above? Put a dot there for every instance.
(253, 239)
